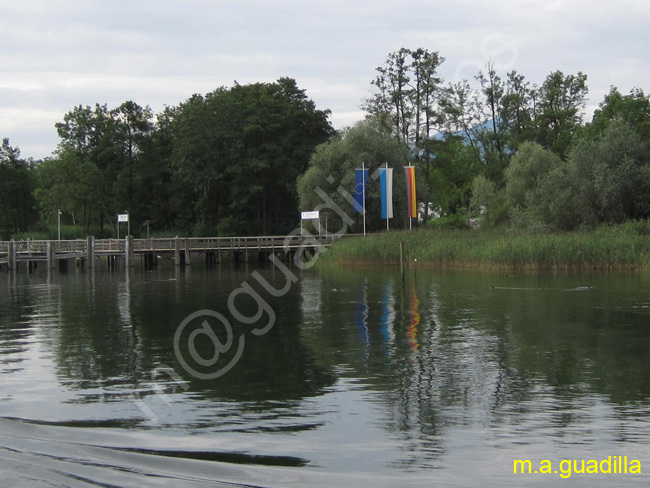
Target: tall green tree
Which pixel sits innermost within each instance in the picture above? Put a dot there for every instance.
(157, 191)
(517, 111)
(493, 90)
(71, 185)
(329, 183)
(131, 129)
(392, 101)
(426, 89)
(560, 104)
(453, 171)
(239, 152)
(462, 109)
(281, 128)
(113, 142)
(86, 140)
(633, 108)
(406, 101)
(203, 132)
(17, 184)
(526, 185)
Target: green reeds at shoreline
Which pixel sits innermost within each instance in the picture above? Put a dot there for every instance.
(625, 246)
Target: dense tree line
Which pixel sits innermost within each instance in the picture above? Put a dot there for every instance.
(513, 151)
(246, 159)
(17, 182)
(224, 163)
(460, 131)
(603, 178)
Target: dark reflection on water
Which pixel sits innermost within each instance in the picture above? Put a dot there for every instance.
(362, 380)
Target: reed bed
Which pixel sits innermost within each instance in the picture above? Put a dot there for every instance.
(625, 246)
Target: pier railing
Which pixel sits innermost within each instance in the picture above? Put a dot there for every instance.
(12, 252)
(109, 246)
(199, 244)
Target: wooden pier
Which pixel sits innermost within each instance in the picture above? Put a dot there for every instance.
(120, 253)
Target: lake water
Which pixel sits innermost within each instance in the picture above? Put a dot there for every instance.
(112, 379)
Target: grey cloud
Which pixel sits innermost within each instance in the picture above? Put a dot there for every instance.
(60, 54)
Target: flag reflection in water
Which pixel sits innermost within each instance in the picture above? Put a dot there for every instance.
(412, 331)
(388, 317)
(361, 317)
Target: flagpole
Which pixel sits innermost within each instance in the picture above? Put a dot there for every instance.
(363, 184)
(387, 219)
(410, 218)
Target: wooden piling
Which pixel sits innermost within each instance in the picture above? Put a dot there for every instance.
(11, 256)
(90, 252)
(401, 261)
(188, 244)
(51, 255)
(129, 252)
(149, 260)
(211, 259)
(177, 251)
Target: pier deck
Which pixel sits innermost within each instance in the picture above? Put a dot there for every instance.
(180, 248)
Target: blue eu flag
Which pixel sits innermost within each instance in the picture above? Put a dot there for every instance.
(360, 190)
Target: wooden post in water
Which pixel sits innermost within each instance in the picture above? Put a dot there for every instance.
(188, 261)
(401, 260)
(127, 251)
(11, 256)
(90, 252)
(130, 252)
(177, 251)
(51, 255)
(149, 260)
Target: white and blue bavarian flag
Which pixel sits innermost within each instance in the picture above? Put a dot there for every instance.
(386, 192)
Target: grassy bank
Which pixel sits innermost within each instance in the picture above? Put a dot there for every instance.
(626, 246)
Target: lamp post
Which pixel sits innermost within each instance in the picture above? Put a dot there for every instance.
(58, 222)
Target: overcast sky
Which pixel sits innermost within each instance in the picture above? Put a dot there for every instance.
(56, 55)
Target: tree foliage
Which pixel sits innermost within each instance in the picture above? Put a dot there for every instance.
(558, 110)
(222, 163)
(96, 170)
(17, 183)
(406, 102)
(634, 109)
(246, 159)
(240, 150)
(603, 181)
(332, 173)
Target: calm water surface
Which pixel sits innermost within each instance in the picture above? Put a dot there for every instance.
(361, 381)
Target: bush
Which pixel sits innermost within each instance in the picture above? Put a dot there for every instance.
(483, 192)
(453, 221)
(527, 169)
